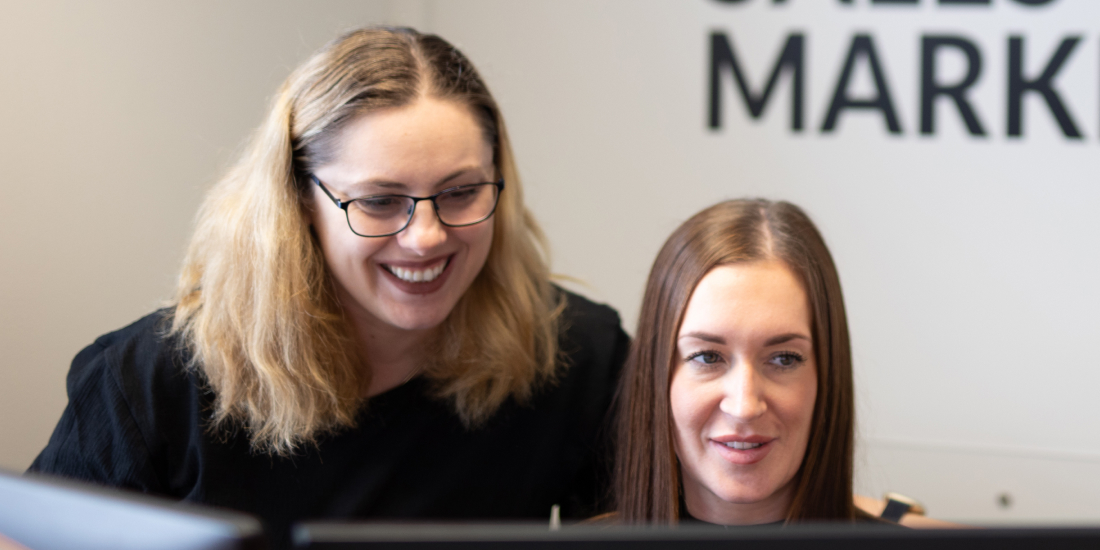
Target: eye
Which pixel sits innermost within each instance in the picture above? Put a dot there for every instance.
(785, 360)
(704, 358)
(461, 194)
(383, 205)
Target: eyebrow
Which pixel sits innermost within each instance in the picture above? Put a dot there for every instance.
(389, 184)
(784, 338)
(704, 336)
(773, 341)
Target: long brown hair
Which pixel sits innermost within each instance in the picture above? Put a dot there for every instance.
(255, 303)
(647, 474)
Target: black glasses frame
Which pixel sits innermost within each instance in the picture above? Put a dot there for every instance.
(343, 205)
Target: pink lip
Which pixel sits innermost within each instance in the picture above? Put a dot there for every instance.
(742, 456)
(752, 438)
(417, 288)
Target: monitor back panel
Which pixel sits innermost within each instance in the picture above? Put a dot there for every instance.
(45, 513)
(348, 536)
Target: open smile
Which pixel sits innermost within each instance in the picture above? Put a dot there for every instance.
(743, 450)
(418, 275)
(742, 445)
(418, 278)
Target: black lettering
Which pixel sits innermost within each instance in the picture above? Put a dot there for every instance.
(721, 56)
(1018, 85)
(862, 44)
(930, 89)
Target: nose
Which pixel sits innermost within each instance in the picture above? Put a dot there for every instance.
(424, 232)
(744, 397)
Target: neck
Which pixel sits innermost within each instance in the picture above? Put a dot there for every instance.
(706, 506)
(392, 354)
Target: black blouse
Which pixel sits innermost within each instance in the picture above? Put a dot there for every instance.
(137, 419)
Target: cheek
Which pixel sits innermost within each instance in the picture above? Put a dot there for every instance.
(342, 248)
(800, 401)
(479, 239)
(687, 407)
(327, 225)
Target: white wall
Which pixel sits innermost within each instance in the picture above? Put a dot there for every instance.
(968, 263)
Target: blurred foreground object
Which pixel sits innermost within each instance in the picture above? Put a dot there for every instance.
(45, 513)
(912, 516)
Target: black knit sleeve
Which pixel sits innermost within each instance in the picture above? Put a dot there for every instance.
(97, 438)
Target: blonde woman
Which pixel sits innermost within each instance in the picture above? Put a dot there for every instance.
(364, 325)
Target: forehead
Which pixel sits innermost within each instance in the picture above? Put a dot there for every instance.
(424, 140)
(747, 300)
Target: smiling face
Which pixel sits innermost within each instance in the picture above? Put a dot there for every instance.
(742, 392)
(412, 280)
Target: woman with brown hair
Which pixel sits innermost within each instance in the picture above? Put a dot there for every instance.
(736, 400)
(364, 324)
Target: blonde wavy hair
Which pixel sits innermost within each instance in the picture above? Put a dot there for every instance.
(255, 304)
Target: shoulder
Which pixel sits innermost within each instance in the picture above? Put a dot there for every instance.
(583, 318)
(582, 309)
(592, 349)
(589, 328)
(146, 331)
(140, 357)
(128, 391)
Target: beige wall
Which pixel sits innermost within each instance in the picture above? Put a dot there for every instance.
(116, 116)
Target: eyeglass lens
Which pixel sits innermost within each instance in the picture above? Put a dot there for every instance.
(386, 214)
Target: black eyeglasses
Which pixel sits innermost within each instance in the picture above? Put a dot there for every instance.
(385, 215)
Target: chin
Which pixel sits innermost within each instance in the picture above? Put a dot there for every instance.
(742, 493)
(416, 322)
(424, 313)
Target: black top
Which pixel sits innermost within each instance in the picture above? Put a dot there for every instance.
(137, 419)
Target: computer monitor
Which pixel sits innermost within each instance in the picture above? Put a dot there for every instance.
(349, 536)
(47, 513)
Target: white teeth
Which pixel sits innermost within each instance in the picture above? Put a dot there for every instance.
(743, 445)
(417, 276)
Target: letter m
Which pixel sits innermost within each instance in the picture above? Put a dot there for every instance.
(722, 56)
